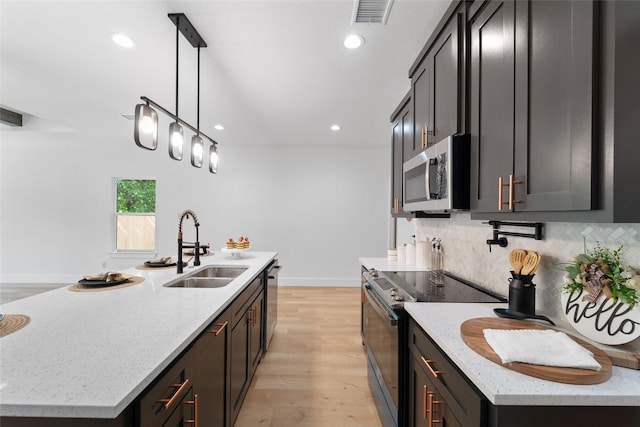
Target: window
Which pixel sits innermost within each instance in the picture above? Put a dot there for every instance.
(135, 214)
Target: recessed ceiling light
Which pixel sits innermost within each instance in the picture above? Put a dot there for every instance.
(219, 127)
(335, 127)
(123, 40)
(353, 41)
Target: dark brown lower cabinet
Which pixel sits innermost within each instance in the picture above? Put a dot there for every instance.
(211, 356)
(246, 342)
(440, 394)
(427, 406)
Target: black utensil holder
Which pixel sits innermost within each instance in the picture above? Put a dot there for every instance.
(522, 294)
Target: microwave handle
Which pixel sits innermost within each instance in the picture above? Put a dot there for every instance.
(427, 178)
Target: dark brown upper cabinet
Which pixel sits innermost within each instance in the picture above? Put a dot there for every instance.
(533, 100)
(437, 86)
(402, 134)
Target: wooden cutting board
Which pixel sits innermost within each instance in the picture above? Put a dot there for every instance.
(472, 334)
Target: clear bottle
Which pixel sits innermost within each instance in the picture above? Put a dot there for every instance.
(439, 264)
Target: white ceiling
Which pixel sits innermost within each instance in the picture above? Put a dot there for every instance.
(274, 72)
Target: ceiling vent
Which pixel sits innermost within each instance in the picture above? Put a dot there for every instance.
(371, 11)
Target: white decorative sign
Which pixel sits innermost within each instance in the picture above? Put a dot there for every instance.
(603, 320)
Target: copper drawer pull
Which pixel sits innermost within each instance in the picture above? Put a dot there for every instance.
(433, 371)
(220, 329)
(169, 402)
(193, 402)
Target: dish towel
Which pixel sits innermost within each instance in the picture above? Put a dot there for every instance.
(539, 347)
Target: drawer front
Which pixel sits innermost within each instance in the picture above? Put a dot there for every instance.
(162, 398)
(462, 398)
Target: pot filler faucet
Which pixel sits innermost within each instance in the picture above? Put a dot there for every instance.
(195, 245)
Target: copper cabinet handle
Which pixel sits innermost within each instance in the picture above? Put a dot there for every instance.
(169, 402)
(422, 142)
(425, 391)
(511, 184)
(431, 411)
(500, 185)
(433, 371)
(511, 200)
(220, 329)
(250, 316)
(193, 402)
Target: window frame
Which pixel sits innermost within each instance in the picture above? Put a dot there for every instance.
(115, 215)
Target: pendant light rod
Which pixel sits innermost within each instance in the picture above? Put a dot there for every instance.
(198, 97)
(177, 60)
(176, 118)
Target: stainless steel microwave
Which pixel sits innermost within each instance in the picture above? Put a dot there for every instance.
(437, 179)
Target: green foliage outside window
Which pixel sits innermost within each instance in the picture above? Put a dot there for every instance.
(136, 196)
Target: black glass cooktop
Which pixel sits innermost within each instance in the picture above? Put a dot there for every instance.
(420, 285)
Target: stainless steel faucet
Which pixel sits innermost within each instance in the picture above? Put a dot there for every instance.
(196, 245)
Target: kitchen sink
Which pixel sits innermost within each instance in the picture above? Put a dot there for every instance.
(228, 272)
(202, 282)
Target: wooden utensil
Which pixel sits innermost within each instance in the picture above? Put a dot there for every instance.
(516, 259)
(531, 263)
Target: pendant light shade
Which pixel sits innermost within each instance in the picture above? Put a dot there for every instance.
(176, 141)
(197, 151)
(213, 158)
(145, 133)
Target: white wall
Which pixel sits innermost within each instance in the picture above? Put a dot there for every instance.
(320, 207)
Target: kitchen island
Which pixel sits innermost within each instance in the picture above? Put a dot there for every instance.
(89, 355)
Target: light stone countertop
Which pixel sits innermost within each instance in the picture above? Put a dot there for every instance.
(90, 354)
(503, 386)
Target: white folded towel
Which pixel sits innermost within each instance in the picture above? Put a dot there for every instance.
(539, 347)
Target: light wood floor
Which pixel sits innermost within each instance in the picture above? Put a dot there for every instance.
(314, 373)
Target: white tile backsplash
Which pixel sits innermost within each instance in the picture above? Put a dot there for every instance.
(468, 256)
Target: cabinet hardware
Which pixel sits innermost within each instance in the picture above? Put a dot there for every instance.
(193, 402)
(425, 138)
(220, 329)
(250, 316)
(167, 403)
(430, 409)
(255, 315)
(433, 371)
(424, 402)
(511, 200)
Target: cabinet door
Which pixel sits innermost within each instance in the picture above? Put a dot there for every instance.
(421, 97)
(492, 94)
(239, 364)
(402, 132)
(554, 94)
(256, 325)
(426, 406)
(211, 352)
(446, 82)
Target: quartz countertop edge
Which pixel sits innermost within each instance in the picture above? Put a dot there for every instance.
(90, 354)
(502, 386)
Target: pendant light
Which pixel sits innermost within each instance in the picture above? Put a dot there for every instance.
(146, 118)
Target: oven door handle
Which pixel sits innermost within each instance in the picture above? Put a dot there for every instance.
(380, 308)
